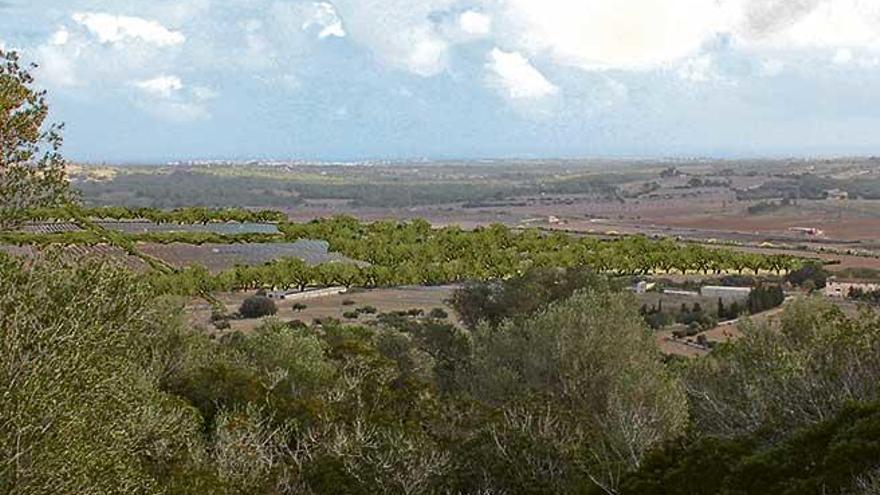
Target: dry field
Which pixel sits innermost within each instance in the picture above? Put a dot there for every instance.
(384, 300)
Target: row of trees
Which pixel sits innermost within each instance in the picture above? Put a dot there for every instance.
(190, 215)
(293, 273)
(499, 249)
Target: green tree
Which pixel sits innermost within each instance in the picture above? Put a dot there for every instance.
(32, 170)
(589, 366)
(83, 349)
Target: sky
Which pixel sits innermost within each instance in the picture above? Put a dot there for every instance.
(161, 80)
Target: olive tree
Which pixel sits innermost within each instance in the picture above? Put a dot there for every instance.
(592, 365)
(83, 350)
(32, 170)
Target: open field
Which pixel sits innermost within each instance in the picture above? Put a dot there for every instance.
(384, 300)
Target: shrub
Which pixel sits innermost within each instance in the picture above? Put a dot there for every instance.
(810, 272)
(219, 313)
(222, 324)
(438, 314)
(297, 307)
(348, 302)
(257, 307)
(368, 310)
(351, 315)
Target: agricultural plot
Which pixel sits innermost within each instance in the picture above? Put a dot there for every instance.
(383, 300)
(230, 228)
(103, 252)
(49, 227)
(220, 257)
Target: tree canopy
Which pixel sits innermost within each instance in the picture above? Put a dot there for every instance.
(32, 170)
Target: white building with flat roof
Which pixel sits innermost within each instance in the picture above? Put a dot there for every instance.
(726, 294)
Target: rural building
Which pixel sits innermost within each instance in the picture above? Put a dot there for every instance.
(813, 231)
(295, 295)
(643, 287)
(726, 294)
(837, 194)
(686, 293)
(842, 287)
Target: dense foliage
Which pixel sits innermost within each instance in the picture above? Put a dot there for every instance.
(188, 215)
(32, 170)
(257, 307)
(105, 389)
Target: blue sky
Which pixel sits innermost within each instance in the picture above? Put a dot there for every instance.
(158, 80)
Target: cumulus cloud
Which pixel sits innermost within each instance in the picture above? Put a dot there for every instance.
(110, 28)
(800, 24)
(401, 33)
(516, 77)
(597, 34)
(162, 86)
(475, 23)
(698, 69)
(326, 19)
(168, 98)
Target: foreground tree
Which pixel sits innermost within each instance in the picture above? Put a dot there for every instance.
(82, 349)
(585, 383)
(32, 170)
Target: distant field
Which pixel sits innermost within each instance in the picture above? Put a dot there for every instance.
(49, 227)
(229, 228)
(219, 257)
(77, 252)
(384, 300)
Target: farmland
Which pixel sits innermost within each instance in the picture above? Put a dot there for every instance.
(694, 200)
(384, 300)
(219, 257)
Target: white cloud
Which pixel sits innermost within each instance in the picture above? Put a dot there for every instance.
(327, 20)
(110, 28)
(771, 67)
(164, 86)
(166, 97)
(401, 33)
(698, 69)
(475, 23)
(598, 34)
(202, 93)
(516, 77)
(843, 56)
(60, 37)
(800, 24)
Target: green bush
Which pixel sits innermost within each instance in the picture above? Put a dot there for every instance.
(368, 310)
(257, 307)
(438, 314)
